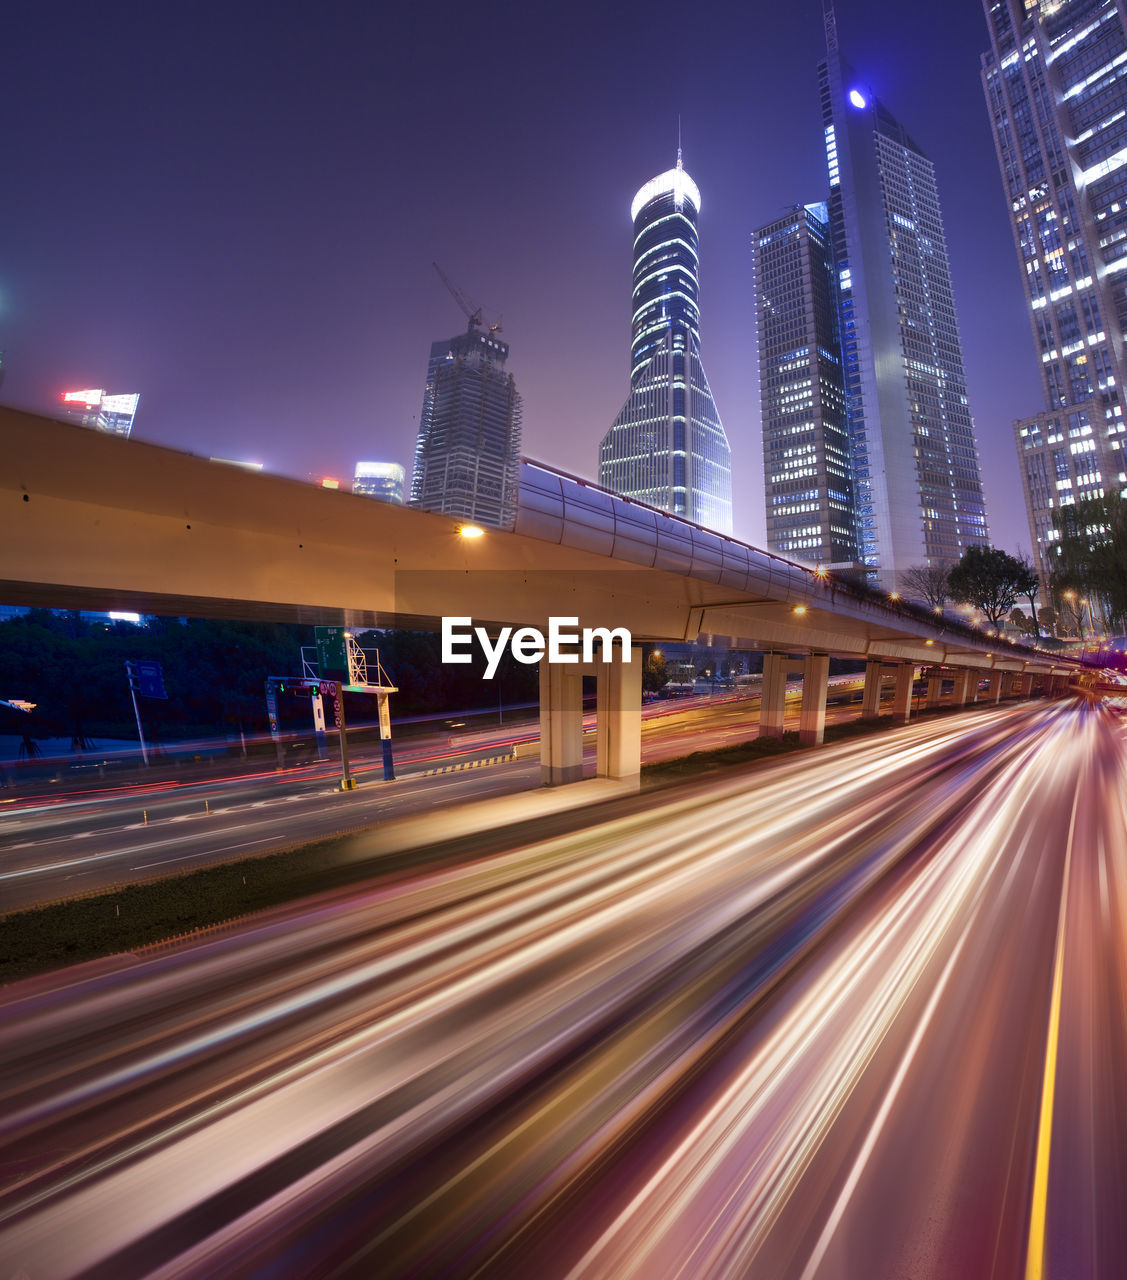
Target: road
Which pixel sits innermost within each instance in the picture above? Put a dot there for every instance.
(861, 1015)
(64, 843)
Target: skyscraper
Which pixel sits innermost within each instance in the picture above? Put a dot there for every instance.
(112, 414)
(383, 480)
(1056, 89)
(667, 446)
(807, 478)
(467, 455)
(917, 488)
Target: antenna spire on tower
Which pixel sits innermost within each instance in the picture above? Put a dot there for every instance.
(678, 140)
(829, 18)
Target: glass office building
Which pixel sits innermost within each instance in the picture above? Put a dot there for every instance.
(807, 478)
(1055, 80)
(113, 414)
(667, 446)
(916, 483)
(383, 480)
(467, 455)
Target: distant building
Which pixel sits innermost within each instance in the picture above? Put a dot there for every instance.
(238, 462)
(916, 484)
(1057, 96)
(383, 480)
(806, 469)
(94, 408)
(467, 454)
(667, 446)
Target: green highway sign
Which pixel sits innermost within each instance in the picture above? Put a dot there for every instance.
(332, 653)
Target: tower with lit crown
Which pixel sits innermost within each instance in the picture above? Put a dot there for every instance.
(667, 446)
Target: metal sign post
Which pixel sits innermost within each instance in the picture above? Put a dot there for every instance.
(331, 689)
(319, 725)
(272, 714)
(132, 677)
(385, 737)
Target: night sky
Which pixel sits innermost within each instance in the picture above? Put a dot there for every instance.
(233, 209)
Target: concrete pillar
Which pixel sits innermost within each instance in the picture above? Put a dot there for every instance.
(962, 686)
(902, 694)
(561, 724)
(772, 706)
(870, 699)
(618, 729)
(815, 685)
(934, 688)
(994, 693)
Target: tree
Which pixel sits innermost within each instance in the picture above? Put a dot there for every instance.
(1091, 554)
(1029, 586)
(988, 578)
(654, 673)
(927, 582)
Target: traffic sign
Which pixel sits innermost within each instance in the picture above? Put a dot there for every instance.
(146, 678)
(332, 653)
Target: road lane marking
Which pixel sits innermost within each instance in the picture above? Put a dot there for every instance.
(200, 854)
(1035, 1255)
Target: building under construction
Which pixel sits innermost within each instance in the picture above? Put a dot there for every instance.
(468, 450)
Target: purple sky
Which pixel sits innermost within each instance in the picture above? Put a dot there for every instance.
(233, 209)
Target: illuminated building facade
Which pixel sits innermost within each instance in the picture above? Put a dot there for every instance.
(383, 480)
(917, 489)
(667, 446)
(1056, 88)
(467, 455)
(807, 479)
(94, 408)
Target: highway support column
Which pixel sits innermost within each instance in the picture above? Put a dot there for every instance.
(772, 701)
(902, 692)
(994, 692)
(934, 688)
(618, 720)
(815, 686)
(618, 727)
(962, 687)
(870, 698)
(561, 724)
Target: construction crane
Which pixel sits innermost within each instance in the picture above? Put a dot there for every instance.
(472, 311)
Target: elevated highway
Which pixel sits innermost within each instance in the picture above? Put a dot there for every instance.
(94, 521)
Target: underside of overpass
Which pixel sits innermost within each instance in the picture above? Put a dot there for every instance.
(94, 521)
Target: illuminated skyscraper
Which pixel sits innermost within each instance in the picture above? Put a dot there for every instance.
(467, 456)
(916, 483)
(807, 480)
(383, 480)
(667, 446)
(113, 414)
(1056, 88)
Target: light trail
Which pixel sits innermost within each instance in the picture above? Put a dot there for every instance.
(787, 1023)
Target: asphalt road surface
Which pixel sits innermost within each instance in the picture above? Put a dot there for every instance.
(64, 843)
(859, 1014)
